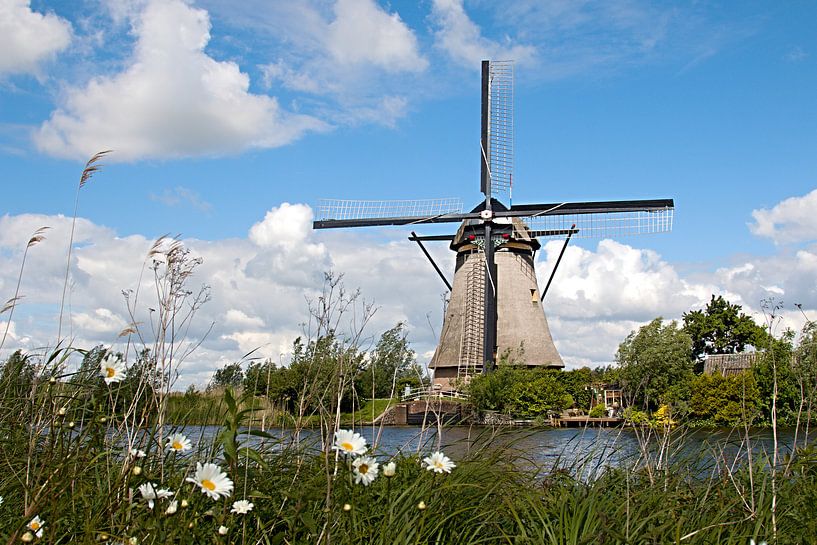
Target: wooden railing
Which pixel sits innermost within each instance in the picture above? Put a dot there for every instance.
(416, 394)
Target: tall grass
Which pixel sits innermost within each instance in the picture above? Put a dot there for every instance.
(75, 450)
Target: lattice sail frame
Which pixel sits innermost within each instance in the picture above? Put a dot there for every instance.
(606, 224)
(342, 209)
(500, 129)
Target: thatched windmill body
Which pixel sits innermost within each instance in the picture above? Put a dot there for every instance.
(495, 305)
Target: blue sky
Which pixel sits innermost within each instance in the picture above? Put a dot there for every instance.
(221, 112)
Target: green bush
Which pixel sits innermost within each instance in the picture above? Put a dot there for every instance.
(724, 400)
(539, 397)
(599, 411)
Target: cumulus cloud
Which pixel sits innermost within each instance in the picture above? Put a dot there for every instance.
(363, 33)
(460, 38)
(261, 284)
(354, 61)
(28, 38)
(171, 100)
(791, 220)
(616, 281)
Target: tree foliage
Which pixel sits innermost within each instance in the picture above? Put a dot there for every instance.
(539, 397)
(391, 365)
(721, 328)
(653, 360)
(724, 400)
(231, 375)
(576, 382)
(530, 393)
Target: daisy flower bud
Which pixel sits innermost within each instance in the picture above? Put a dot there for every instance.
(389, 469)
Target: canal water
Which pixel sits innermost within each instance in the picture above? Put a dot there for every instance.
(582, 450)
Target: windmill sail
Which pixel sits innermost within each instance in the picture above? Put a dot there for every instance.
(333, 213)
(602, 219)
(499, 111)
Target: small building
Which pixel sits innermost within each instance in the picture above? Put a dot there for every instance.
(729, 364)
(609, 395)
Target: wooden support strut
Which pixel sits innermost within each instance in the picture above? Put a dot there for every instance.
(558, 260)
(416, 239)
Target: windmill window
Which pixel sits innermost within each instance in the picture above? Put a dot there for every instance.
(533, 297)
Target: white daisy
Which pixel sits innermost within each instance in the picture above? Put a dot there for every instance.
(222, 530)
(111, 369)
(178, 442)
(163, 493)
(349, 442)
(389, 469)
(36, 526)
(241, 507)
(212, 480)
(439, 463)
(172, 508)
(148, 493)
(136, 453)
(365, 469)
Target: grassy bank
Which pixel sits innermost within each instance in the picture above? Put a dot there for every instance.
(82, 474)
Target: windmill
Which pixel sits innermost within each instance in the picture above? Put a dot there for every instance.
(494, 308)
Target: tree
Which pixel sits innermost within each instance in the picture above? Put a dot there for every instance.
(229, 375)
(577, 383)
(654, 361)
(776, 362)
(491, 391)
(392, 363)
(805, 369)
(539, 397)
(721, 328)
(322, 373)
(724, 400)
(275, 383)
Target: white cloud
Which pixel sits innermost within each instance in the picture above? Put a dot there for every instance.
(172, 100)
(463, 41)
(182, 195)
(616, 281)
(283, 226)
(28, 38)
(352, 57)
(791, 220)
(238, 317)
(101, 321)
(363, 33)
(260, 285)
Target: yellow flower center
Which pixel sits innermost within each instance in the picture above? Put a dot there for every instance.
(438, 465)
(177, 445)
(363, 469)
(34, 525)
(110, 371)
(208, 484)
(347, 446)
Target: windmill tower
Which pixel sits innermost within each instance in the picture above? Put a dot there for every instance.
(495, 305)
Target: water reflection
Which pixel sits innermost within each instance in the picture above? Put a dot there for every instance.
(583, 451)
